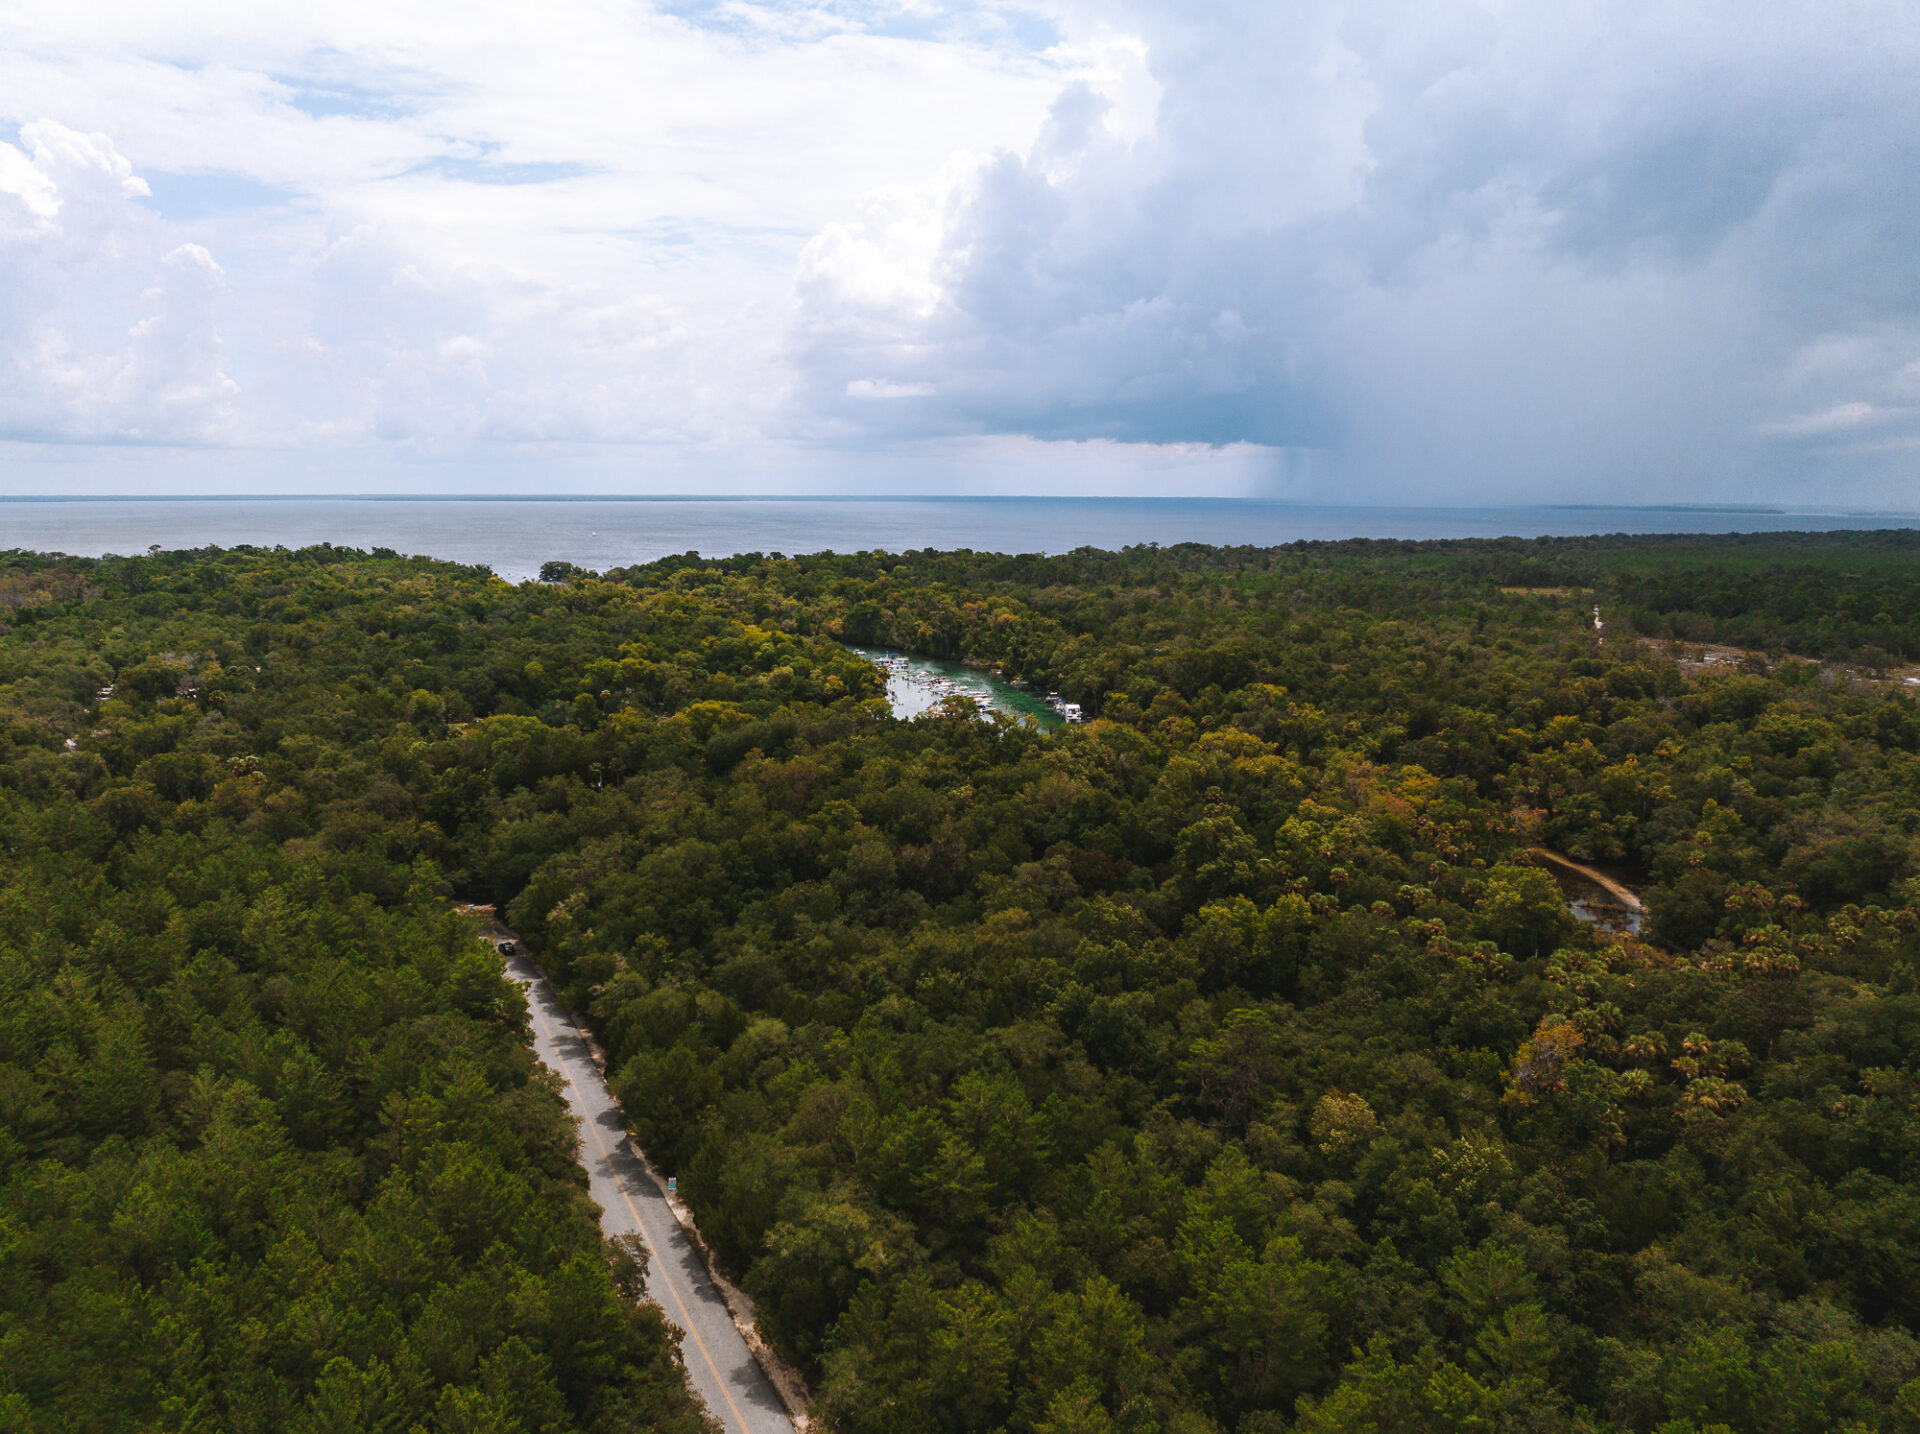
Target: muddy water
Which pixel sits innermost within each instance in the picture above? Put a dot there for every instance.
(1617, 911)
(1594, 905)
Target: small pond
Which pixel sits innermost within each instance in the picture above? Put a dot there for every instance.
(920, 684)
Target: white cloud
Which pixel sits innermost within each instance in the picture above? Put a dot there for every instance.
(880, 388)
(23, 180)
(1840, 418)
(448, 232)
(87, 164)
(107, 328)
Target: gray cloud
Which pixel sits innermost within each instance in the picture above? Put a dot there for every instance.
(1404, 249)
(1450, 251)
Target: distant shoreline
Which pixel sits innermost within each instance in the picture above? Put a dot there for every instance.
(515, 534)
(1155, 500)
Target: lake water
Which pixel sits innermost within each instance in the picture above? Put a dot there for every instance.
(1595, 907)
(923, 683)
(514, 536)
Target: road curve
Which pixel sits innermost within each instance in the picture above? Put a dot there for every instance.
(719, 1366)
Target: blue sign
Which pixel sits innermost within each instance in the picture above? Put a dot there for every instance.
(672, 1185)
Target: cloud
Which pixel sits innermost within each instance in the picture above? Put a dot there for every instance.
(107, 332)
(26, 182)
(443, 235)
(1452, 249)
(1840, 418)
(87, 166)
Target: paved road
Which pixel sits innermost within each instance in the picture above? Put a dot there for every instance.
(718, 1363)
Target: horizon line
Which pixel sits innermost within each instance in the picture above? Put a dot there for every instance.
(1758, 509)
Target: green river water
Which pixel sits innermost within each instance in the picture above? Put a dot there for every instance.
(912, 692)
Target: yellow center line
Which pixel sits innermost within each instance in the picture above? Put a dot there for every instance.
(686, 1319)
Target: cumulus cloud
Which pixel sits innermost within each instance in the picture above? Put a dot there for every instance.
(107, 331)
(37, 196)
(483, 234)
(1447, 249)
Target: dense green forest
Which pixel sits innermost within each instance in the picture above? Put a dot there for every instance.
(274, 1152)
(1223, 1064)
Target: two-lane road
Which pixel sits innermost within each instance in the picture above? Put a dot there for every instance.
(719, 1365)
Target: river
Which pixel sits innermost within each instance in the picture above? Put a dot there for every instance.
(926, 682)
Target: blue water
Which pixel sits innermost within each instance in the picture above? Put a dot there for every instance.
(515, 536)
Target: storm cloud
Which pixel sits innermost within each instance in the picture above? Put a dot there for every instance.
(1446, 250)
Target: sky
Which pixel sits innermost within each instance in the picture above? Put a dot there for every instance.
(1399, 251)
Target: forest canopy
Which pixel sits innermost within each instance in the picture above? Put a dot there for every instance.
(1228, 1063)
